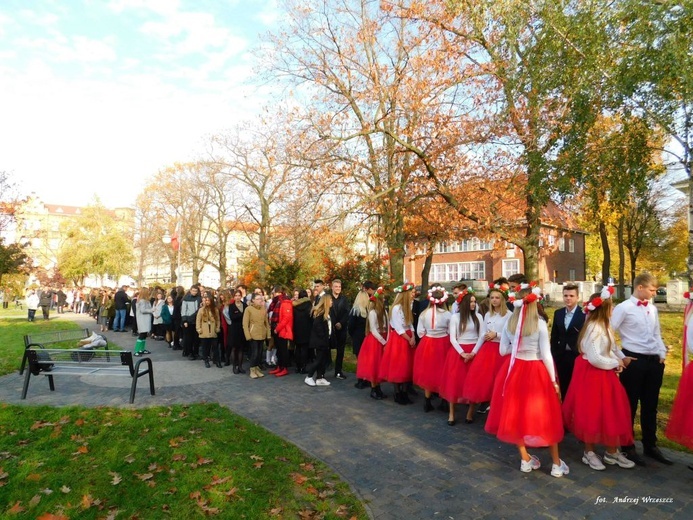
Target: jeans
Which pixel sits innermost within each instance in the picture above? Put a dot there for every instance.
(119, 319)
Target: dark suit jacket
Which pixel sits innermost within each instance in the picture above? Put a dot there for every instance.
(560, 337)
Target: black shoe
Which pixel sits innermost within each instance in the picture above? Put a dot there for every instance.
(207, 363)
(427, 405)
(227, 363)
(235, 370)
(412, 391)
(340, 376)
(452, 423)
(380, 393)
(655, 453)
(690, 467)
(469, 421)
(405, 398)
(633, 455)
(219, 364)
(192, 357)
(484, 409)
(375, 395)
(400, 397)
(361, 384)
(240, 370)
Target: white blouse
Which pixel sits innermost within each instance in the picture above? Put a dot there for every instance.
(595, 347)
(442, 322)
(492, 323)
(397, 321)
(373, 325)
(469, 336)
(535, 347)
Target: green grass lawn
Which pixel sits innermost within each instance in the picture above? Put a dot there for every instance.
(164, 462)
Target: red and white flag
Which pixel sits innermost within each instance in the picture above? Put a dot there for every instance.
(175, 241)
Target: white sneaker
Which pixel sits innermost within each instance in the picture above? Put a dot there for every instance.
(528, 465)
(592, 460)
(558, 470)
(618, 458)
(309, 381)
(322, 382)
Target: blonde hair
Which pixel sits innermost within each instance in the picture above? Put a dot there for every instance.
(403, 299)
(361, 304)
(503, 307)
(323, 307)
(531, 324)
(378, 305)
(599, 317)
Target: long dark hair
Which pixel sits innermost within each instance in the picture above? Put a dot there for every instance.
(465, 310)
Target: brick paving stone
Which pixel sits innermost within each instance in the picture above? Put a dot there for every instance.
(403, 463)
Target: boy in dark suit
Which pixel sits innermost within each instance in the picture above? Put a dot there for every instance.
(567, 323)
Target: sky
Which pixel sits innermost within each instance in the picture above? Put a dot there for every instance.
(97, 95)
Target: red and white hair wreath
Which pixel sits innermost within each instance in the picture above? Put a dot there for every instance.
(464, 293)
(607, 292)
(502, 288)
(378, 293)
(437, 301)
(404, 287)
(688, 294)
(534, 296)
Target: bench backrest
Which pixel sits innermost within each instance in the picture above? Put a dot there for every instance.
(43, 359)
(56, 336)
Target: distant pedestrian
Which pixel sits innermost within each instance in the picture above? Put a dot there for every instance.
(121, 301)
(256, 328)
(302, 325)
(371, 355)
(358, 316)
(32, 303)
(320, 341)
(207, 325)
(143, 315)
(188, 313)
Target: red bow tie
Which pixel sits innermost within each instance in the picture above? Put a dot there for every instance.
(643, 303)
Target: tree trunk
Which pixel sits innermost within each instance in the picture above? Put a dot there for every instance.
(426, 271)
(687, 165)
(530, 245)
(621, 261)
(606, 252)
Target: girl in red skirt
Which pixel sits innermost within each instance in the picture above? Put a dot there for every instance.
(530, 405)
(465, 326)
(371, 353)
(435, 341)
(398, 358)
(596, 407)
(478, 387)
(680, 427)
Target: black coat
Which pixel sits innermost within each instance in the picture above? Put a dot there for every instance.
(560, 337)
(236, 334)
(303, 322)
(320, 334)
(339, 313)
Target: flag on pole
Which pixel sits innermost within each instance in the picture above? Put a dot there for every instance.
(175, 241)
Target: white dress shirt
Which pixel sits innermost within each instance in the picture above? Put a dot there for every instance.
(638, 326)
(397, 321)
(373, 325)
(469, 336)
(442, 321)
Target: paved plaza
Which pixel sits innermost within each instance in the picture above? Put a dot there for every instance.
(402, 463)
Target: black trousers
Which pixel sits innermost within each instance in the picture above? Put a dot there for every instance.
(318, 367)
(564, 368)
(191, 341)
(642, 381)
(338, 343)
(282, 346)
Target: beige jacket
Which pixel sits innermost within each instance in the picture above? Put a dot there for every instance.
(256, 324)
(207, 324)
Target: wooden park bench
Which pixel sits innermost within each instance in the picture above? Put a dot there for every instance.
(55, 339)
(83, 362)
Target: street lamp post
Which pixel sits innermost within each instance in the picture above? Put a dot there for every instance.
(166, 239)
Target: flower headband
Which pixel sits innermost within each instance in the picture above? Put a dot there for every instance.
(688, 294)
(607, 292)
(437, 301)
(502, 288)
(534, 296)
(404, 288)
(378, 293)
(464, 293)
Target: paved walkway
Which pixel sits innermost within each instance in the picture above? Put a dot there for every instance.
(402, 462)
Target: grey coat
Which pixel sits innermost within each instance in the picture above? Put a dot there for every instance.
(143, 313)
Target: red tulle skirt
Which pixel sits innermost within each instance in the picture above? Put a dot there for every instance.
(478, 388)
(429, 361)
(531, 409)
(596, 408)
(398, 360)
(370, 356)
(454, 375)
(494, 413)
(680, 427)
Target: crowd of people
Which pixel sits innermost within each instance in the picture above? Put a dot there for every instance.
(491, 352)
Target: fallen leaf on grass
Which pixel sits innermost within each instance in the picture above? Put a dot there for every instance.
(307, 466)
(144, 476)
(81, 450)
(33, 477)
(46, 491)
(202, 461)
(179, 456)
(232, 492)
(35, 500)
(41, 424)
(216, 480)
(342, 511)
(312, 490)
(51, 516)
(258, 465)
(308, 514)
(129, 459)
(276, 511)
(16, 509)
(87, 501)
(152, 467)
(117, 479)
(256, 457)
(79, 422)
(65, 489)
(298, 478)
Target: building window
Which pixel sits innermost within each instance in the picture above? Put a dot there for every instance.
(571, 245)
(442, 247)
(552, 240)
(511, 267)
(475, 244)
(561, 244)
(571, 275)
(458, 271)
